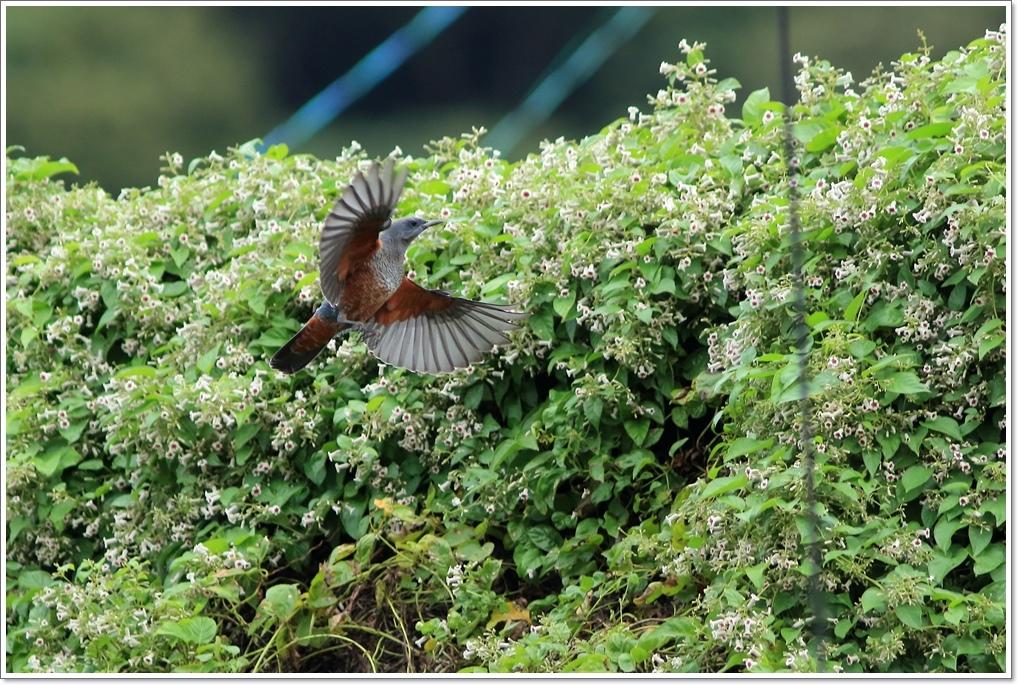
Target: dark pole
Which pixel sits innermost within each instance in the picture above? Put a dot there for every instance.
(803, 344)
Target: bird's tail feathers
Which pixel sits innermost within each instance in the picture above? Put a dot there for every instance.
(305, 346)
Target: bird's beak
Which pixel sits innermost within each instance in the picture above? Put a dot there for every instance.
(426, 225)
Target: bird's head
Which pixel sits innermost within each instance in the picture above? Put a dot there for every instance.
(404, 231)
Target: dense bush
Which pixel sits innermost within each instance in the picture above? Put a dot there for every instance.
(619, 489)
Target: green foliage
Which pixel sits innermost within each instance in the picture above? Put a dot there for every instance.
(540, 511)
(903, 208)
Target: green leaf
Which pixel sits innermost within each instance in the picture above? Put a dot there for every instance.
(130, 371)
(874, 599)
(59, 511)
(996, 506)
(784, 600)
(727, 85)
(472, 397)
(245, 432)
(639, 653)
(280, 601)
(257, 303)
(351, 515)
(720, 486)
(824, 139)
(979, 538)
(853, 308)
(636, 460)
(107, 316)
(28, 335)
(194, 630)
(998, 391)
(564, 305)
(528, 558)
(588, 662)
(637, 429)
(937, 130)
(26, 388)
(991, 325)
(915, 477)
(179, 255)
(752, 109)
(201, 629)
(989, 344)
(889, 446)
(34, 580)
(905, 383)
(42, 168)
(743, 446)
(806, 130)
(277, 151)
(806, 528)
(956, 614)
(910, 614)
(842, 628)
(754, 511)
(961, 84)
(55, 459)
(206, 361)
(861, 349)
(434, 186)
(944, 530)
(472, 551)
(314, 468)
(74, 431)
(945, 425)
(544, 537)
(15, 526)
(494, 286)
(943, 562)
(505, 449)
(21, 261)
(665, 285)
(883, 314)
(174, 629)
(990, 558)
(872, 462)
(592, 410)
(756, 574)
(814, 319)
(958, 297)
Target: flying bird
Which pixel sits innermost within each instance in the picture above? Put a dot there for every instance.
(361, 255)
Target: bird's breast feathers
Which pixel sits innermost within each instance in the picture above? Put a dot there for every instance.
(367, 288)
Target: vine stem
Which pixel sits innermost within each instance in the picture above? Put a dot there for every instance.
(802, 343)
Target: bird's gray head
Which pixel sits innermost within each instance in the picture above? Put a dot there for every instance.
(403, 231)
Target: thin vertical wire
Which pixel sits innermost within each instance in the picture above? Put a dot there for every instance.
(802, 344)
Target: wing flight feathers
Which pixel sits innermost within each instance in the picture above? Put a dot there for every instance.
(431, 331)
(350, 232)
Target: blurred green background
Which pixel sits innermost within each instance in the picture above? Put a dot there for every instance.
(114, 88)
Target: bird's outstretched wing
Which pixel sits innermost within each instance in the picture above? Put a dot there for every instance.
(431, 331)
(350, 233)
